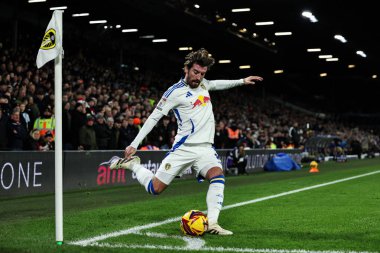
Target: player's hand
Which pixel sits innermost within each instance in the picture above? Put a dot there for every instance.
(252, 79)
(129, 151)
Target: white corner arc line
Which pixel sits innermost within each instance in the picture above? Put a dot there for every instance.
(132, 230)
(92, 240)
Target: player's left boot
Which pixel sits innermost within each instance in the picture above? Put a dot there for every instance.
(124, 163)
(218, 230)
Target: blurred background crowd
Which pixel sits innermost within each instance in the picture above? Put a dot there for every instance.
(105, 105)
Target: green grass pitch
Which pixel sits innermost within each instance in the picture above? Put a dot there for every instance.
(343, 216)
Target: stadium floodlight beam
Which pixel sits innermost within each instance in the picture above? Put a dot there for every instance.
(325, 56)
(264, 23)
(36, 1)
(241, 10)
(224, 61)
(340, 38)
(278, 71)
(159, 40)
(361, 53)
(314, 50)
(244, 66)
(151, 36)
(310, 16)
(58, 8)
(131, 30)
(81, 15)
(283, 33)
(185, 48)
(97, 22)
(332, 59)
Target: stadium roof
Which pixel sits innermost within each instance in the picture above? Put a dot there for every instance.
(235, 35)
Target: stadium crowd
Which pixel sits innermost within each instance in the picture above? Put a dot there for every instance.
(104, 108)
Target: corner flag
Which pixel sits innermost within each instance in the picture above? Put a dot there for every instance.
(51, 48)
(51, 45)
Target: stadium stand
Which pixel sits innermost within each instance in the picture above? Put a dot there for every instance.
(118, 97)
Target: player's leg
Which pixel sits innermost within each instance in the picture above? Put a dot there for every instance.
(173, 164)
(214, 199)
(143, 175)
(212, 170)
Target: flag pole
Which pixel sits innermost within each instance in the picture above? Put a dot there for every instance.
(58, 138)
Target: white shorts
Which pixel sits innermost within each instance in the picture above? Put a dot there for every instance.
(200, 158)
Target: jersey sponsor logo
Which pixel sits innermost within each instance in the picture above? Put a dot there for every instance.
(201, 101)
(161, 104)
(48, 42)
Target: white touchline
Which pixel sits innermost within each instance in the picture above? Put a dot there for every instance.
(220, 249)
(299, 190)
(197, 244)
(88, 241)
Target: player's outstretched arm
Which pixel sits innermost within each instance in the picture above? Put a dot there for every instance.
(227, 84)
(250, 80)
(144, 131)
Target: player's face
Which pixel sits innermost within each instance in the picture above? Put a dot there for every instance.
(195, 75)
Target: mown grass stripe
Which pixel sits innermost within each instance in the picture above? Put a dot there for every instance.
(136, 229)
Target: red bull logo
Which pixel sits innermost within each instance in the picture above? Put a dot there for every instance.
(201, 101)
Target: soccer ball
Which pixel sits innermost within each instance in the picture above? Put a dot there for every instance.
(194, 223)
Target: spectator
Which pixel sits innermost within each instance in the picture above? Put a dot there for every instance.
(234, 134)
(237, 160)
(41, 100)
(102, 131)
(32, 109)
(17, 134)
(270, 144)
(34, 140)
(294, 134)
(46, 122)
(48, 141)
(115, 134)
(161, 134)
(221, 136)
(66, 126)
(78, 119)
(87, 135)
(3, 130)
(246, 137)
(128, 132)
(356, 147)
(26, 120)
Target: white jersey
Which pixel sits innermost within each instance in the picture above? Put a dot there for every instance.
(193, 110)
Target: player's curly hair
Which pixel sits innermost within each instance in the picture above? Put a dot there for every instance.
(201, 57)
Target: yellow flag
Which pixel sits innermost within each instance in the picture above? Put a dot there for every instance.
(51, 45)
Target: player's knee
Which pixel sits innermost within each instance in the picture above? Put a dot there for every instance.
(155, 186)
(214, 172)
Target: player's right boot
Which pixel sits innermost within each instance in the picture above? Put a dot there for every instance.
(124, 163)
(215, 229)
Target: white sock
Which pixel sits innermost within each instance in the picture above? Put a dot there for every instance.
(143, 175)
(214, 199)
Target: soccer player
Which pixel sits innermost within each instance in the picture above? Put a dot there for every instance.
(190, 101)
